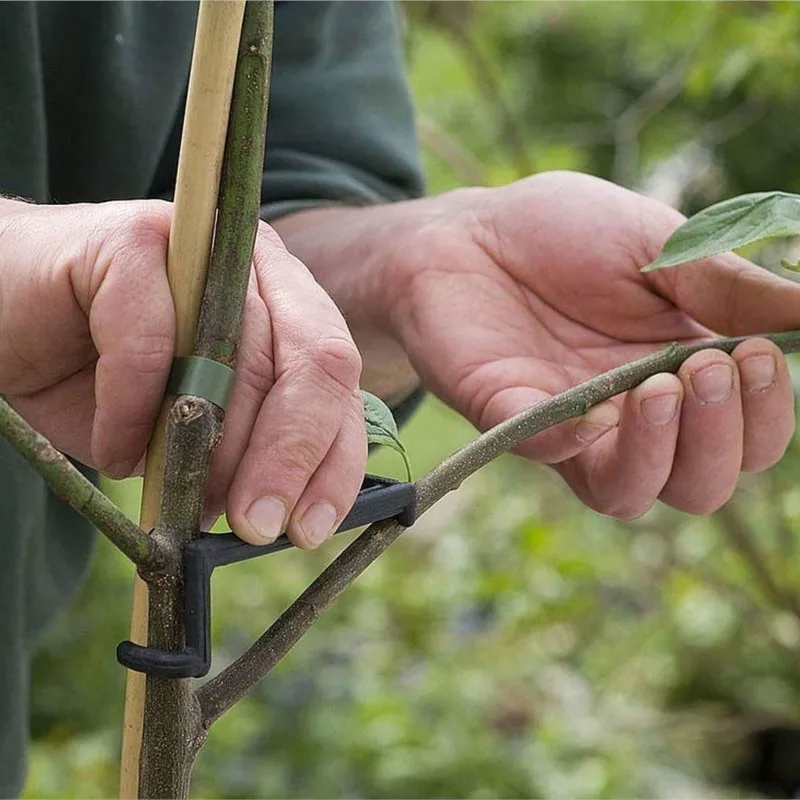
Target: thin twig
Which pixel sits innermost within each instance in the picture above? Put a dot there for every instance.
(220, 693)
(72, 487)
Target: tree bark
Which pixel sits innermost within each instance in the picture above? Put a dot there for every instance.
(172, 733)
(68, 484)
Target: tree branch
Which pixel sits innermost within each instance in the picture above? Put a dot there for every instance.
(233, 683)
(68, 484)
(222, 309)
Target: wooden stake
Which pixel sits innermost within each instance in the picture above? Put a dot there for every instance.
(208, 100)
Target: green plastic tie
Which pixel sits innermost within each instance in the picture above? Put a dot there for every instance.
(201, 377)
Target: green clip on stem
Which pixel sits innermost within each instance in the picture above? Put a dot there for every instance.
(201, 377)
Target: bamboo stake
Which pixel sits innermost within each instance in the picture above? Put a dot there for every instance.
(197, 184)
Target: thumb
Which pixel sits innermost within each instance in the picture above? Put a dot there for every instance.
(132, 325)
(726, 293)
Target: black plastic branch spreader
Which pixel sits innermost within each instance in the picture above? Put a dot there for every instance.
(379, 499)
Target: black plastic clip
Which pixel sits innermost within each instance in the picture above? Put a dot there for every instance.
(379, 499)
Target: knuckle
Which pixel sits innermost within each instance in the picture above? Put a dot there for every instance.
(148, 221)
(149, 353)
(300, 454)
(139, 226)
(656, 223)
(336, 361)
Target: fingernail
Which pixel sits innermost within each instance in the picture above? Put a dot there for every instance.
(758, 373)
(596, 421)
(267, 517)
(661, 410)
(713, 384)
(317, 523)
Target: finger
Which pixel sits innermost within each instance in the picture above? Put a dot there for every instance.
(730, 295)
(132, 321)
(556, 444)
(317, 368)
(333, 488)
(708, 457)
(255, 376)
(767, 403)
(623, 474)
(726, 293)
(296, 427)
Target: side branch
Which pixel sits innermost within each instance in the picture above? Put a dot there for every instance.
(72, 487)
(233, 683)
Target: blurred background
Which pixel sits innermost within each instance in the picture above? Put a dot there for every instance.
(515, 644)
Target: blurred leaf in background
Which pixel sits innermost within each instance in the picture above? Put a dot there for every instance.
(516, 644)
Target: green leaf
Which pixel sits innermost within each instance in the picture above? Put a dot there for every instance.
(381, 427)
(731, 224)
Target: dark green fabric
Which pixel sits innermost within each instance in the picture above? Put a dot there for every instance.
(91, 97)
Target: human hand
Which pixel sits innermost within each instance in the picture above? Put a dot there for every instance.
(503, 297)
(86, 342)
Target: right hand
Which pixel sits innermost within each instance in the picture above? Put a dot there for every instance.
(86, 341)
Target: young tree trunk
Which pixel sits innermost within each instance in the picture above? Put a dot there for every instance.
(196, 191)
(172, 730)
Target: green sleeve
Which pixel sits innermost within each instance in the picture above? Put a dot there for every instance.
(341, 126)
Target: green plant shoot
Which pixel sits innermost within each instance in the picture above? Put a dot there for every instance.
(381, 427)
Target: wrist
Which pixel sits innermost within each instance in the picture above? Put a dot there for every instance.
(352, 254)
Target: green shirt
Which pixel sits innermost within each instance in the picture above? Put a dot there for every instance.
(91, 101)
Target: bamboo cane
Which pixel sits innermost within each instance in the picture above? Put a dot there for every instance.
(205, 123)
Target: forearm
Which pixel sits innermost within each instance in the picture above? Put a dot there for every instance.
(347, 250)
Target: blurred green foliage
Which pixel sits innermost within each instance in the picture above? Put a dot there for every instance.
(516, 644)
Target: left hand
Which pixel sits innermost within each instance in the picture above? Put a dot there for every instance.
(503, 297)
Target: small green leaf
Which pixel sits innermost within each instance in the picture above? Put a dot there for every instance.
(381, 427)
(731, 224)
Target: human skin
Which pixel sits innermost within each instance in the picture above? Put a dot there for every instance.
(497, 298)
(86, 342)
(494, 298)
